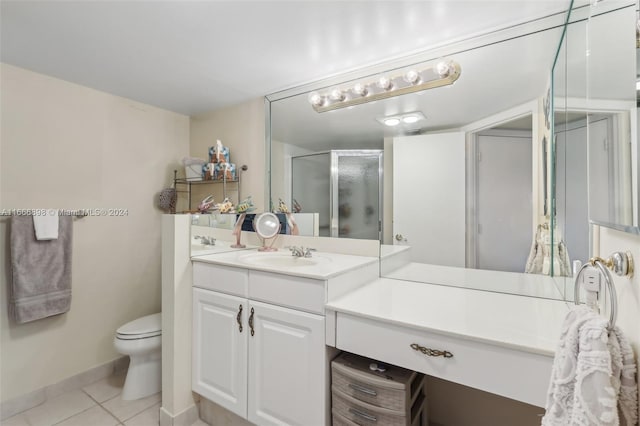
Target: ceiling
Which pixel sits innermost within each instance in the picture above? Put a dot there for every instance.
(193, 57)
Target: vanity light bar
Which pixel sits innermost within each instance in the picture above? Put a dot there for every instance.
(442, 74)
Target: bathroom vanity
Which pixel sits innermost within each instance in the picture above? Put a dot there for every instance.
(259, 331)
(499, 343)
(266, 326)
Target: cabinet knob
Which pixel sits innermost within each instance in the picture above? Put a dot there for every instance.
(400, 237)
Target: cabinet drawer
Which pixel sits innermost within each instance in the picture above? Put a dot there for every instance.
(339, 420)
(221, 278)
(365, 414)
(285, 290)
(490, 367)
(391, 389)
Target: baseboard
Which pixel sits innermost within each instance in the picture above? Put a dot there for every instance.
(185, 418)
(22, 403)
(215, 415)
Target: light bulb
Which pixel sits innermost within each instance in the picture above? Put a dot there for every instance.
(360, 89)
(443, 69)
(392, 121)
(316, 99)
(385, 83)
(336, 94)
(410, 119)
(412, 77)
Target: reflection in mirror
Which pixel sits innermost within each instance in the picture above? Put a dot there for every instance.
(595, 121)
(464, 184)
(205, 235)
(353, 180)
(613, 145)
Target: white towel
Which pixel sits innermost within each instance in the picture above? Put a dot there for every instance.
(593, 377)
(46, 227)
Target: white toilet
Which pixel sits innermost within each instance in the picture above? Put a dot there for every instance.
(141, 339)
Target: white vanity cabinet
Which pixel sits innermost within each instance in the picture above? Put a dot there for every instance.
(219, 368)
(261, 360)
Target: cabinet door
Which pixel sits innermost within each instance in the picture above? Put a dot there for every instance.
(286, 367)
(219, 369)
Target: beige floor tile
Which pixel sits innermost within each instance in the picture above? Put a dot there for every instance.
(200, 423)
(57, 409)
(107, 388)
(149, 417)
(124, 410)
(95, 416)
(17, 420)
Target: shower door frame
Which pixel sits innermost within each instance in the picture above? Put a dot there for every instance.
(334, 201)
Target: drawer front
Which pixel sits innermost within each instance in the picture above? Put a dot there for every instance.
(225, 279)
(349, 384)
(339, 420)
(364, 414)
(285, 290)
(484, 366)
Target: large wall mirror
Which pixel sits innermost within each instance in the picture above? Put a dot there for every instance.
(457, 195)
(595, 136)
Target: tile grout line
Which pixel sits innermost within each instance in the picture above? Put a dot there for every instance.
(104, 408)
(79, 412)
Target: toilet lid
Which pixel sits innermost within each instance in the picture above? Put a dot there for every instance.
(149, 325)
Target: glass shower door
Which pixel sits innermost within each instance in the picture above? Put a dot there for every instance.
(356, 196)
(311, 187)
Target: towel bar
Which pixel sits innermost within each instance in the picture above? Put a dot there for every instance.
(79, 215)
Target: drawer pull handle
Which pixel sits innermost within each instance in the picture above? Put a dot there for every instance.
(431, 352)
(364, 415)
(363, 389)
(239, 318)
(251, 321)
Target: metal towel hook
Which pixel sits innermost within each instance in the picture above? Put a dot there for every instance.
(619, 262)
(599, 263)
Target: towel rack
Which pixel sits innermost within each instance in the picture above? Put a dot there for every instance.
(76, 216)
(619, 262)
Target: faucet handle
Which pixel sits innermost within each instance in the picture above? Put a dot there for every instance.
(307, 251)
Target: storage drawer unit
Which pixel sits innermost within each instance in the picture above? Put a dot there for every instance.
(364, 396)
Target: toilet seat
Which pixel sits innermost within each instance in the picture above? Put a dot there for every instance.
(141, 328)
(137, 336)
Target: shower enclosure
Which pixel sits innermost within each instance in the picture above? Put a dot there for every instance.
(344, 187)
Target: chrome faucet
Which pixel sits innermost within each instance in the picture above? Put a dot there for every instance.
(301, 251)
(207, 241)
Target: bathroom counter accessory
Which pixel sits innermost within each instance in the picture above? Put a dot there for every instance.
(363, 389)
(187, 182)
(489, 341)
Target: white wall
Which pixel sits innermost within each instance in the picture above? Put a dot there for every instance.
(242, 129)
(67, 146)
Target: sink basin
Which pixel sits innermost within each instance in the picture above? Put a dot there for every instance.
(283, 260)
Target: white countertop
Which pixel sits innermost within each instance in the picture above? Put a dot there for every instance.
(328, 264)
(518, 322)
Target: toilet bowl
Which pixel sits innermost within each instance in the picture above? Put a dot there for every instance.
(141, 339)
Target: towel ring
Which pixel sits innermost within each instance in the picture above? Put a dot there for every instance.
(608, 279)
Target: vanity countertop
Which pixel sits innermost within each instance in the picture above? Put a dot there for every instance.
(321, 265)
(518, 322)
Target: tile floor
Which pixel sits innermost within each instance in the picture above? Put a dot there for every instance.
(98, 404)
